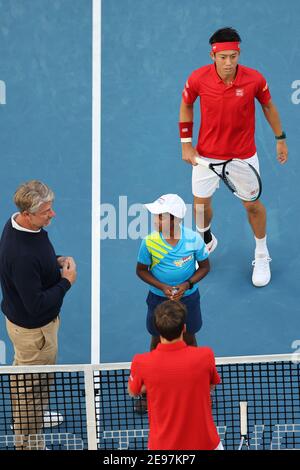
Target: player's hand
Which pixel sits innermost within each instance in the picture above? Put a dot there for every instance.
(189, 154)
(282, 151)
(180, 290)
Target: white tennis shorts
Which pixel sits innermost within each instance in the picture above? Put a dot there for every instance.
(205, 181)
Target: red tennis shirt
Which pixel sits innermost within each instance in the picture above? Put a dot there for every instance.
(227, 111)
(177, 378)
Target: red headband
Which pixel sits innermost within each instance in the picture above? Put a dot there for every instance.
(225, 46)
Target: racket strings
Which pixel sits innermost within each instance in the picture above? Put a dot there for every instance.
(242, 179)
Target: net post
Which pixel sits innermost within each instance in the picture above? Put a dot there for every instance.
(90, 407)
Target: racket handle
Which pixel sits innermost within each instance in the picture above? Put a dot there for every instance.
(243, 418)
(202, 162)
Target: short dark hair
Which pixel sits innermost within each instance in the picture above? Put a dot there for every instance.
(225, 35)
(169, 319)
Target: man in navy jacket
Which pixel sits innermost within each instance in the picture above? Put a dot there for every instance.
(34, 282)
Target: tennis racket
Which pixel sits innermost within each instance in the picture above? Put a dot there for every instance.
(239, 176)
(244, 442)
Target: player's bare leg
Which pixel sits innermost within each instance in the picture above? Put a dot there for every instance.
(257, 219)
(203, 215)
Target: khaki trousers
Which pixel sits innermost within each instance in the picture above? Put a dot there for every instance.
(30, 392)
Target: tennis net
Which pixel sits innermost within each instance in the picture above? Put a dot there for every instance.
(95, 411)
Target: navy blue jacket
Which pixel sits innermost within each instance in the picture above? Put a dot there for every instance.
(32, 286)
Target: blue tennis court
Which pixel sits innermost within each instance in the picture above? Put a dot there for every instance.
(89, 103)
(140, 106)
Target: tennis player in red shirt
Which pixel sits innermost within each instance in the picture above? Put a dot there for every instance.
(176, 378)
(227, 94)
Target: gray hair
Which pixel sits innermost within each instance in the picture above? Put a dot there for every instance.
(31, 195)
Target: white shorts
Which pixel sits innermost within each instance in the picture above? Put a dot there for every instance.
(205, 181)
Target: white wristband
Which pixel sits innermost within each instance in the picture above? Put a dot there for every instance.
(185, 140)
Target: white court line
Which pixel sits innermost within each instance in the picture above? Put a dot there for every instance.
(96, 184)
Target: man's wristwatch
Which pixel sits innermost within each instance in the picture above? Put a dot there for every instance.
(281, 137)
(191, 284)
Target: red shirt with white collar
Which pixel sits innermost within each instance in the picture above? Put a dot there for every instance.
(227, 111)
(177, 379)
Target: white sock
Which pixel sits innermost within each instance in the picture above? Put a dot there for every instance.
(261, 249)
(202, 230)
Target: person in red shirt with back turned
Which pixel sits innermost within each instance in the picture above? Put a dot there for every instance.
(227, 94)
(176, 378)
